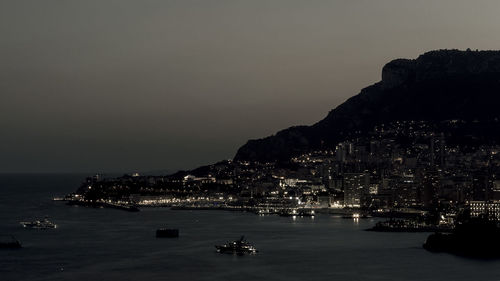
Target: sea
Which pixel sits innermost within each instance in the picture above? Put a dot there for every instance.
(110, 244)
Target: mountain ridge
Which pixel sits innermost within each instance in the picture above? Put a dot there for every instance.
(436, 86)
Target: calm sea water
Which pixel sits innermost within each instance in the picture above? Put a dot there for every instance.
(107, 244)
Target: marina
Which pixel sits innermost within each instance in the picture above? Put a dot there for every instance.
(327, 241)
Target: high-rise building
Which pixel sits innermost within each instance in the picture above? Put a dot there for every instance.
(356, 186)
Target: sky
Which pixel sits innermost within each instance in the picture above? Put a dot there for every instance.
(122, 86)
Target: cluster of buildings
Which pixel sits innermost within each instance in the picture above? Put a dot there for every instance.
(405, 165)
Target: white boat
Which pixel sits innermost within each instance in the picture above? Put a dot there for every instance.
(39, 224)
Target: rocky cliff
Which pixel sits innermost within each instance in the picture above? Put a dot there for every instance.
(438, 85)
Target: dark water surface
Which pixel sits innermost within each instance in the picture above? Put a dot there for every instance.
(107, 244)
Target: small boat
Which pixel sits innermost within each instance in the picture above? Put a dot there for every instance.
(263, 212)
(166, 232)
(39, 224)
(12, 244)
(297, 212)
(306, 213)
(293, 212)
(356, 216)
(238, 247)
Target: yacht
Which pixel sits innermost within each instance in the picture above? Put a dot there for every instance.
(238, 247)
(39, 224)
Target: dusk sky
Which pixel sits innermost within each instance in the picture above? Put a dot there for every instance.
(122, 86)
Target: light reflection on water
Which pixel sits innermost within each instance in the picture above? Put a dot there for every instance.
(106, 244)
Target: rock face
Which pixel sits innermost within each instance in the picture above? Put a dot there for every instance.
(398, 72)
(438, 85)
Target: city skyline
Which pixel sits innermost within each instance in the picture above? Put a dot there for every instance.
(249, 140)
(129, 86)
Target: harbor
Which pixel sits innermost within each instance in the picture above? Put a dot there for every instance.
(327, 241)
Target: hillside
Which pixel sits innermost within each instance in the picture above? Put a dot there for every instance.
(437, 86)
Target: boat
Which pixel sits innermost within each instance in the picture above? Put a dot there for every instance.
(12, 244)
(39, 224)
(238, 247)
(264, 211)
(296, 212)
(167, 232)
(306, 213)
(289, 212)
(356, 216)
